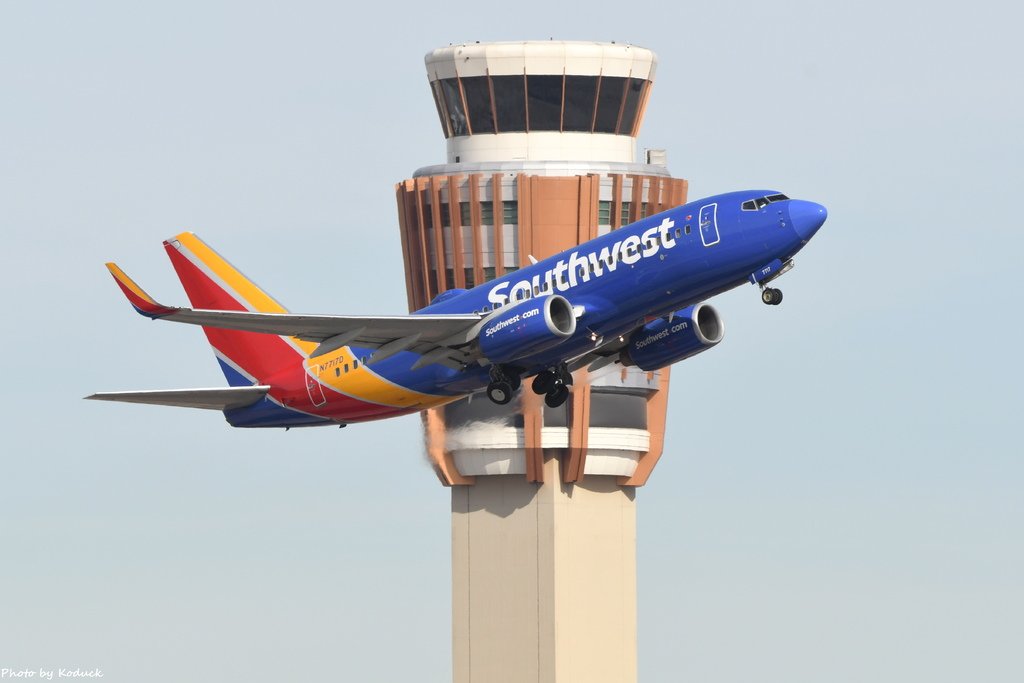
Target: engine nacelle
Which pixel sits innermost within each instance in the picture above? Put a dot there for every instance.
(526, 328)
(661, 343)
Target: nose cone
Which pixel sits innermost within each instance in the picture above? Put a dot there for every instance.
(806, 217)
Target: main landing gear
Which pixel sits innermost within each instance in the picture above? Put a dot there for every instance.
(554, 385)
(503, 385)
(772, 271)
(772, 297)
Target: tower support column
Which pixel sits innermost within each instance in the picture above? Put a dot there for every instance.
(544, 580)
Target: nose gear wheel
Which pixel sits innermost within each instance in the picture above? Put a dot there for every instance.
(772, 297)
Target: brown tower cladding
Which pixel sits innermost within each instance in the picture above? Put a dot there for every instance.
(541, 146)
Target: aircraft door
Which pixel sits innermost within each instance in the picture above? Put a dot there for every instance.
(709, 224)
(313, 386)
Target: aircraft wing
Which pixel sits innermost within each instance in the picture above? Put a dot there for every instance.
(220, 398)
(438, 336)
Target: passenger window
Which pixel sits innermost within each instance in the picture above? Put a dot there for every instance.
(355, 364)
(679, 233)
(337, 372)
(346, 367)
(687, 229)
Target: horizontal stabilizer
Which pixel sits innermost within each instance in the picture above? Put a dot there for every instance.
(218, 398)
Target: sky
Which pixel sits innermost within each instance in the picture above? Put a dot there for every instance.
(841, 496)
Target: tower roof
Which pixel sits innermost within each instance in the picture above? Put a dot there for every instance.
(540, 100)
(541, 57)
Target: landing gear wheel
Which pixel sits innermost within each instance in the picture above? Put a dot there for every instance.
(564, 375)
(557, 396)
(503, 375)
(544, 382)
(499, 392)
(772, 297)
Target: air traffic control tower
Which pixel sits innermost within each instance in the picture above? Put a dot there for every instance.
(541, 155)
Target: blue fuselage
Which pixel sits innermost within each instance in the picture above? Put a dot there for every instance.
(648, 269)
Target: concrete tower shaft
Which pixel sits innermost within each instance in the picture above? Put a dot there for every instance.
(541, 156)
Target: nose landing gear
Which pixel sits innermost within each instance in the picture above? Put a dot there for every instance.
(767, 273)
(772, 297)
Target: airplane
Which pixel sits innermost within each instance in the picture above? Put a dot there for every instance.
(634, 296)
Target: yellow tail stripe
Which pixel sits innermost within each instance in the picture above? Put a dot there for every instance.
(123, 278)
(249, 291)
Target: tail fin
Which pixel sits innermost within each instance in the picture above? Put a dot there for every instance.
(211, 282)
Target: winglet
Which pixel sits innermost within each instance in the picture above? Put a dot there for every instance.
(137, 297)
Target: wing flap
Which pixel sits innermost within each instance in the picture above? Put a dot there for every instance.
(218, 398)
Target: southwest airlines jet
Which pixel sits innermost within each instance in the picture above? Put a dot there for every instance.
(633, 296)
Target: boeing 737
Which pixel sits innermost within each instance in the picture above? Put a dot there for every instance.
(634, 296)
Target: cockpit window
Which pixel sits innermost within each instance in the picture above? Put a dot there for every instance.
(761, 202)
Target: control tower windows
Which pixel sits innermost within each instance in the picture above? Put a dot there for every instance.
(510, 103)
(453, 104)
(544, 102)
(631, 106)
(438, 102)
(478, 102)
(518, 104)
(511, 212)
(609, 407)
(580, 97)
(609, 103)
(487, 213)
